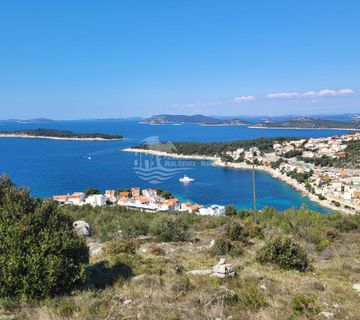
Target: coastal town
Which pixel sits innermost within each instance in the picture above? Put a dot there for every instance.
(307, 165)
(148, 200)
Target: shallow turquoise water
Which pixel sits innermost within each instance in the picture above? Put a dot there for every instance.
(54, 167)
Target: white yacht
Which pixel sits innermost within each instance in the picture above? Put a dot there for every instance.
(186, 179)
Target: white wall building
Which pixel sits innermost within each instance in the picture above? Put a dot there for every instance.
(214, 210)
(96, 200)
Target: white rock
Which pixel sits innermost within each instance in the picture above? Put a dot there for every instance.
(127, 301)
(263, 287)
(212, 243)
(327, 315)
(82, 228)
(218, 275)
(140, 277)
(200, 272)
(221, 261)
(356, 286)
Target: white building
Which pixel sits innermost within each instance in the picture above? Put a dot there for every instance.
(96, 200)
(214, 210)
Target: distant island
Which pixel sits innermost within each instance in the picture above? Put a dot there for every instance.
(58, 134)
(309, 123)
(195, 119)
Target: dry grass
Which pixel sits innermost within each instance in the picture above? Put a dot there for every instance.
(257, 292)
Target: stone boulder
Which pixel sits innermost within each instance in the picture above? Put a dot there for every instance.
(82, 228)
(222, 269)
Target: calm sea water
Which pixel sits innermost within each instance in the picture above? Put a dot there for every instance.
(51, 167)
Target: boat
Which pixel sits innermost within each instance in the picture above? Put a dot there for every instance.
(186, 179)
(89, 158)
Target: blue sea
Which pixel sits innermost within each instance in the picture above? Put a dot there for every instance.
(51, 167)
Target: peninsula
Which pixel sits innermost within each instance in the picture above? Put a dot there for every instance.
(59, 135)
(327, 170)
(309, 123)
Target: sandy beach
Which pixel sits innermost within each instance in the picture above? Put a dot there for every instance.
(243, 166)
(26, 136)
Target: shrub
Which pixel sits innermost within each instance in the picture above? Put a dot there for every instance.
(302, 304)
(40, 255)
(121, 246)
(254, 230)
(346, 224)
(230, 210)
(170, 228)
(285, 252)
(221, 247)
(323, 244)
(235, 231)
(252, 297)
(91, 191)
(181, 284)
(156, 250)
(236, 250)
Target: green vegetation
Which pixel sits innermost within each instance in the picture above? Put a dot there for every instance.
(142, 271)
(285, 252)
(323, 161)
(64, 134)
(170, 228)
(40, 255)
(311, 123)
(350, 160)
(301, 177)
(91, 191)
(218, 148)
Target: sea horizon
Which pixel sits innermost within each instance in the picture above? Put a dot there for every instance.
(61, 167)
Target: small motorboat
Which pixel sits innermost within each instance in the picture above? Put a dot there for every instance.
(186, 179)
(89, 158)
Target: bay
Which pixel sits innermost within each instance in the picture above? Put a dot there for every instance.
(51, 167)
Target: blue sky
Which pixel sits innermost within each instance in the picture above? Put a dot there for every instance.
(99, 59)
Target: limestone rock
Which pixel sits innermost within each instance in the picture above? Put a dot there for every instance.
(223, 269)
(327, 315)
(356, 286)
(200, 272)
(82, 228)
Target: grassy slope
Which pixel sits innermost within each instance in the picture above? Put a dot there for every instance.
(258, 291)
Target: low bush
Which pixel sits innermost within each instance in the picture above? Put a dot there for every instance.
(40, 254)
(304, 305)
(224, 246)
(117, 246)
(156, 250)
(347, 224)
(181, 284)
(253, 230)
(236, 231)
(221, 247)
(252, 297)
(285, 252)
(322, 245)
(170, 228)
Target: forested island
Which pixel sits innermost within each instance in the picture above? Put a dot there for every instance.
(310, 123)
(194, 119)
(58, 134)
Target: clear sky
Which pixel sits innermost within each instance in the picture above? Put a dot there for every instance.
(97, 59)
